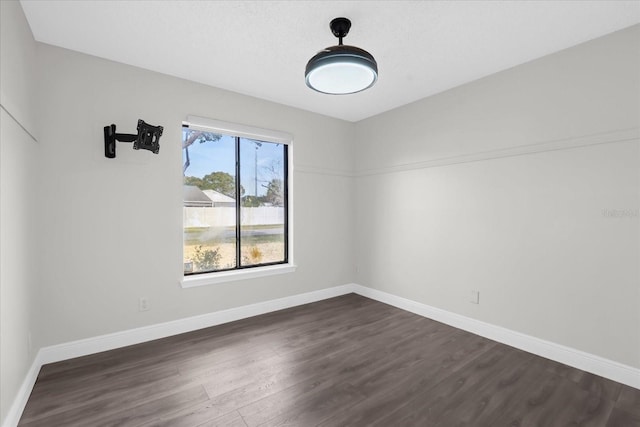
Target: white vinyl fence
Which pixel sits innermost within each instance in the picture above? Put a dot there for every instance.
(226, 216)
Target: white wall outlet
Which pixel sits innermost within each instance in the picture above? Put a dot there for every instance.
(143, 304)
(475, 297)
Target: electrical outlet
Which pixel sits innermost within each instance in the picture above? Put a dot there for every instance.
(29, 343)
(143, 304)
(475, 297)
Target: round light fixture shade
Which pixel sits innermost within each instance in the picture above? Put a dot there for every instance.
(341, 70)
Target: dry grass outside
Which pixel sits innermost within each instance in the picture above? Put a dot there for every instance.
(257, 253)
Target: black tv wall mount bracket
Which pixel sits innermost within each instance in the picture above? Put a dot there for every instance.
(147, 138)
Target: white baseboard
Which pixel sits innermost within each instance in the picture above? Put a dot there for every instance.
(569, 356)
(15, 411)
(106, 342)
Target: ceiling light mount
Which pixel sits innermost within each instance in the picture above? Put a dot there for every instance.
(341, 69)
(340, 28)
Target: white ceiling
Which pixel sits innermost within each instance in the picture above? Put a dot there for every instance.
(260, 48)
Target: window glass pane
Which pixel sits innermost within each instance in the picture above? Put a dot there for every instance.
(209, 218)
(262, 213)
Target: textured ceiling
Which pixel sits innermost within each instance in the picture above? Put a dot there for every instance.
(260, 48)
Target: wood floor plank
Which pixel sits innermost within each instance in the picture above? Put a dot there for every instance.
(621, 418)
(600, 386)
(153, 409)
(399, 402)
(345, 361)
(560, 369)
(365, 372)
(202, 413)
(76, 394)
(554, 400)
(236, 388)
(272, 375)
(629, 400)
(323, 377)
(316, 406)
(123, 415)
(232, 419)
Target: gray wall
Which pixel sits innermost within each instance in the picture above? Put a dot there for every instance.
(18, 198)
(530, 232)
(113, 228)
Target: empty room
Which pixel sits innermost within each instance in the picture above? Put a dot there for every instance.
(319, 213)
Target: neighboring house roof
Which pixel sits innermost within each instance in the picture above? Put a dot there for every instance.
(217, 197)
(194, 197)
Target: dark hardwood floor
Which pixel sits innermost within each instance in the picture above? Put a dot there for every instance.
(346, 361)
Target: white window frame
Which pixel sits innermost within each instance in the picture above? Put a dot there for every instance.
(267, 135)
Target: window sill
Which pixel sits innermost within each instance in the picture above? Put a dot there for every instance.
(230, 276)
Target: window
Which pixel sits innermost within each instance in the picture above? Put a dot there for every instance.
(235, 197)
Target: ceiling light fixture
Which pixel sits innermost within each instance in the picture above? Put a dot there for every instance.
(340, 70)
